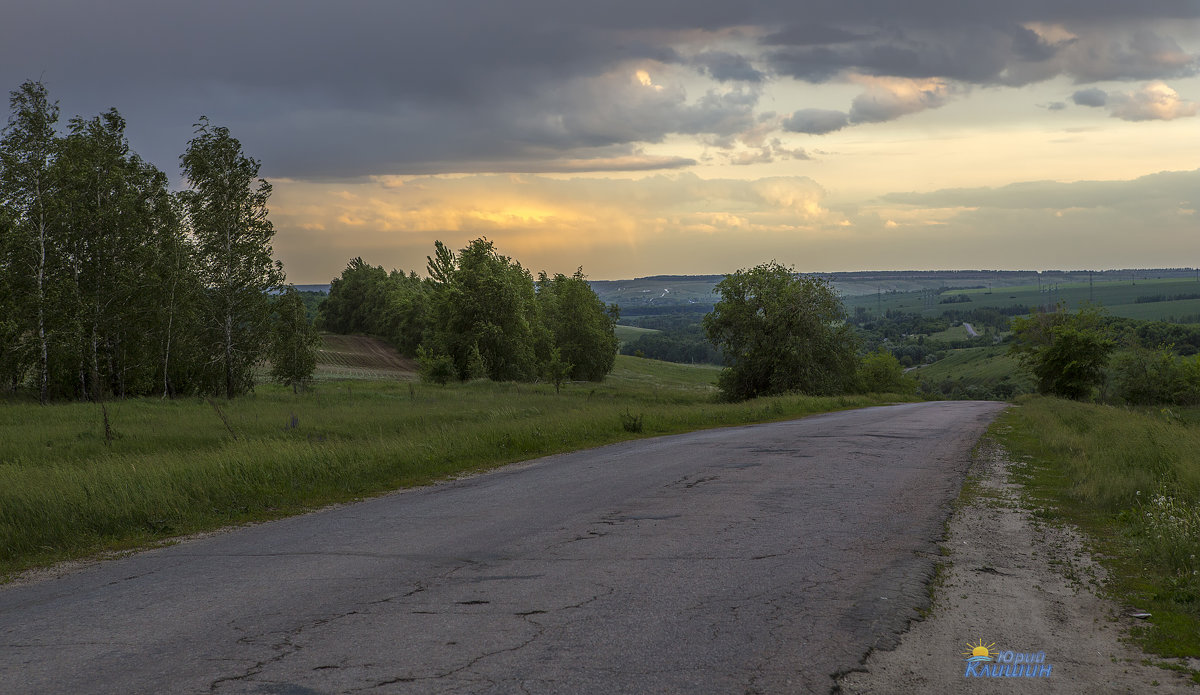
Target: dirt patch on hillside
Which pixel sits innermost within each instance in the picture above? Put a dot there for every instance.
(1025, 587)
(361, 357)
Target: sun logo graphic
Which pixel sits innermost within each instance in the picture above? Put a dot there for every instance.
(979, 652)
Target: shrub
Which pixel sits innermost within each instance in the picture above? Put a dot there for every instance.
(880, 372)
(437, 369)
(1141, 376)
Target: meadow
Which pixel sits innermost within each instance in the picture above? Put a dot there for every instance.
(172, 467)
(1130, 478)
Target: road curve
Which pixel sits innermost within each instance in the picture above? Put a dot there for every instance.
(749, 559)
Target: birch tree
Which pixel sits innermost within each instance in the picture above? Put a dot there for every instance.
(226, 209)
(27, 150)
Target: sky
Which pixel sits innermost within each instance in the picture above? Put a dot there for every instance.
(666, 136)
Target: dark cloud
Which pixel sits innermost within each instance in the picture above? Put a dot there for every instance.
(319, 89)
(727, 67)
(1092, 96)
(1055, 106)
(816, 121)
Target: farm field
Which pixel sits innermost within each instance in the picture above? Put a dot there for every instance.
(361, 357)
(1119, 298)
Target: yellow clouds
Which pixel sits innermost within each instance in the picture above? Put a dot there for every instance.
(1154, 102)
(888, 98)
(545, 222)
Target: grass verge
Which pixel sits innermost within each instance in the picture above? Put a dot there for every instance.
(1129, 478)
(188, 465)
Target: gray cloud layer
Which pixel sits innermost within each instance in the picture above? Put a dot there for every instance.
(334, 90)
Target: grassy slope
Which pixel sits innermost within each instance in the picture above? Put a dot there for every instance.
(175, 467)
(985, 366)
(1131, 480)
(627, 334)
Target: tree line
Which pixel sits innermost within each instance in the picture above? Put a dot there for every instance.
(478, 314)
(113, 285)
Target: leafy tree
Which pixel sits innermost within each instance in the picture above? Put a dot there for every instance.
(780, 332)
(580, 324)
(1066, 353)
(227, 210)
(366, 299)
(294, 342)
(27, 149)
(481, 299)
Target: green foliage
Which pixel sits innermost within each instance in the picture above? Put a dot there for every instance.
(227, 212)
(366, 299)
(580, 325)
(880, 372)
(99, 279)
(481, 299)
(435, 369)
(557, 370)
(631, 423)
(1066, 353)
(781, 332)
(685, 344)
(1141, 376)
(294, 342)
(476, 367)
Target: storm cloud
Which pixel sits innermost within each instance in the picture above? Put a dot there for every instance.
(330, 91)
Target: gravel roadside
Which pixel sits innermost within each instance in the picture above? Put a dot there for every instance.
(1023, 587)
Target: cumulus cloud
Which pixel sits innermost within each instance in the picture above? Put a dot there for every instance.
(816, 121)
(1153, 102)
(887, 98)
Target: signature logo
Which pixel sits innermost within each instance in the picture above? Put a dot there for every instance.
(985, 661)
(979, 652)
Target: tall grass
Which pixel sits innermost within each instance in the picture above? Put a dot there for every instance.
(1131, 477)
(176, 467)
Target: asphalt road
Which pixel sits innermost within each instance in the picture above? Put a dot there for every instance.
(742, 560)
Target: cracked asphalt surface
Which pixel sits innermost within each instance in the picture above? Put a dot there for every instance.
(760, 559)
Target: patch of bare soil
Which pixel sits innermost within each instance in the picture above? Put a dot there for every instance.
(1023, 587)
(363, 357)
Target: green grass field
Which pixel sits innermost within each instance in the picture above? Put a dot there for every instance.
(983, 366)
(1130, 478)
(187, 465)
(1119, 298)
(627, 334)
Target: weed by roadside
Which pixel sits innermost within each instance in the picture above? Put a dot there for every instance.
(1129, 478)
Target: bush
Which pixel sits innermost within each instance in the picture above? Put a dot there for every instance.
(1141, 376)
(436, 369)
(631, 422)
(881, 372)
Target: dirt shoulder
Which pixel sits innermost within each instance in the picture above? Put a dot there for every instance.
(1024, 587)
